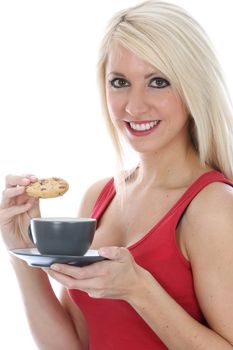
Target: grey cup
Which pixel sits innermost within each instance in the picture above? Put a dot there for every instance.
(62, 236)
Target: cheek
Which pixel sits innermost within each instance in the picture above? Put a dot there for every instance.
(116, 105)
(166, 100)
(172, 103)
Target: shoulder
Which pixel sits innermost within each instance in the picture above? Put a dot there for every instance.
(212, 193)
(212, 205)
(206, 228)
(209, 215)
(90, 197)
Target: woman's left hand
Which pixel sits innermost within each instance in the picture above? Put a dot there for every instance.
(116, 278)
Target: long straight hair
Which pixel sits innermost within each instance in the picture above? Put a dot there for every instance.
(168, 38)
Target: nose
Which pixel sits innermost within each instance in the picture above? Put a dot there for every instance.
(136, 105)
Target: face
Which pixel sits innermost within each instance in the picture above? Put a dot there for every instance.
(142, 103)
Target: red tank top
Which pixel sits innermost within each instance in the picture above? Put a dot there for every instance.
(113, 324)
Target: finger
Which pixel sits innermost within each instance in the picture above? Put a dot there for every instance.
(30, 176)
(15, 180)
(8, 213)
(10, 193)
(80, 273)
(65, 280)
(17, 193)
(120, 254)
(35, 208)
(72, 283)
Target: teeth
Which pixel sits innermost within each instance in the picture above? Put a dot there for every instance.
(143, 126)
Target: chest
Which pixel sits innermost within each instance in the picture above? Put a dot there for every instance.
(123, 224)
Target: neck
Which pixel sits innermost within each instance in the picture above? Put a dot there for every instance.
(165, 170)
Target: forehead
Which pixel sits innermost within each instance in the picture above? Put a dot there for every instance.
(120, 59)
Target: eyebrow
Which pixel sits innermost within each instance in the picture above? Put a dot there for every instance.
(146, 76)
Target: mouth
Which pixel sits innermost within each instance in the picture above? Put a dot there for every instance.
(142, 128)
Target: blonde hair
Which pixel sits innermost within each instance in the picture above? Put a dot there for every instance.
(168, 38)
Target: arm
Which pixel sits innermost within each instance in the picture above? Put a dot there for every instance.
(54, 324)
(207, 234)
(50, 324)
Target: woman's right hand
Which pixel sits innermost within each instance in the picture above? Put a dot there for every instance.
(16, 211)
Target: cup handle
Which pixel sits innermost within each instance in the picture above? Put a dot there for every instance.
(30, 233)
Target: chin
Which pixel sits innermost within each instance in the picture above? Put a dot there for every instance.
(143, 149)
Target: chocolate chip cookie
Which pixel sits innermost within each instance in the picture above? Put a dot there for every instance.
(47, 188)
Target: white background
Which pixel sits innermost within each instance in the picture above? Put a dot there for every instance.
(50, 118)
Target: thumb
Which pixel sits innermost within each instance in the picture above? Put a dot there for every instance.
(35, 207)
(120, 254)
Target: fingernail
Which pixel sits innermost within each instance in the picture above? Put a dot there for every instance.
(102, 251)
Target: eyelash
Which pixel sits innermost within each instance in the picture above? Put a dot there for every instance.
(113, 81)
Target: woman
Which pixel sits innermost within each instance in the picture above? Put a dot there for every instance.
(165, 226)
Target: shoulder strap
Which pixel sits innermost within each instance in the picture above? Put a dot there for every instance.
(103, 199)
(194, 189)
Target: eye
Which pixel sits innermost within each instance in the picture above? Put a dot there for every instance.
(119, 83)
(159, 83)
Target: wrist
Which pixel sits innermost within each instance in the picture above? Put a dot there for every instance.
(141, 289)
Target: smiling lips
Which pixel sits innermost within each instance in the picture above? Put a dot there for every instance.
(142, 128)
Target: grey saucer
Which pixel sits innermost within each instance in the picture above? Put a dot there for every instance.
(35, 259)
